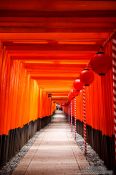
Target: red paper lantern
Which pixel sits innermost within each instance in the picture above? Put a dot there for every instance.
(78, 85)
(70, 97)
(63, 104)
(73, 93)
(87, 76)
(67, 103)
(101, 63)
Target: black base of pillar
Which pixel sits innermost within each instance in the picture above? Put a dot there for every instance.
(11, 144)
(102, 144)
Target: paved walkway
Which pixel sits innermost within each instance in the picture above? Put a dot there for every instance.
(54, 152)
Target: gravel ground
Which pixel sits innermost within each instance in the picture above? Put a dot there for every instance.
(96, 164)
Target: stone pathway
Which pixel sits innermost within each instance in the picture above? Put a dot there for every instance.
(55, 152)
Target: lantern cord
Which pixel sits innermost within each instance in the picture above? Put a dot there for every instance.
(84, 120)
(114, 87)
(75, 117)
(71, 117)
(108, 39)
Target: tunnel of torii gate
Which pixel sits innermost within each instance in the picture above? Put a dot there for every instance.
(58, 52)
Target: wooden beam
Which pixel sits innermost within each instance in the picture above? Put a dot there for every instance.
(68, 13)
(53, 67)
(44, 78)
(61, 5)
(25, 21)
(45, 36)
(56, 75)
(72, 27)
(51, 47)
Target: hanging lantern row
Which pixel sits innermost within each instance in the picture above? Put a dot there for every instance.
(101, 63)
(86, 78)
